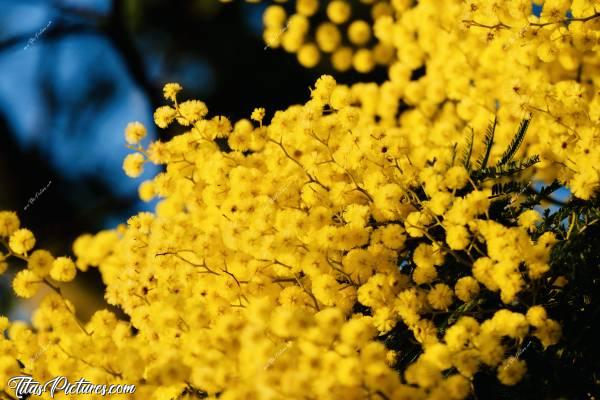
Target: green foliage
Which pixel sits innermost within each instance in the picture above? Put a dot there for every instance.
(514, 145)
(506, 166)
(488, 142)
(466, 159)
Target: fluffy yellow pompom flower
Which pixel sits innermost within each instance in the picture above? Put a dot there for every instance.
(348, 370)
(163, 116)
(356, 215)
(170, 91)
(585, 184)
(9, 222)
(4, 323)
(357, 331)
(359, 32)
(323, 88)
(529, 219)
(384, 320)
(146, 191)
(393, 236)
(440, 202)
(340, 97)
(21, 241)
(338, 11)
(40, 262)
(456, 177)
(328, 37)
(416, 222)
(440, 297)
(536, 316)
(26, 283)
(466, 288)
(549, 333)
(258, 114)
(9, 368)
(63, 269)
(511, 371)
(424, 275)
(191, 111)
(457, 387)
(134, 132)
(341, 59)
(307, 7)
(325, 289)
(427, 256)
(363, 60)
(133, 165)
(274, 16)
(309, 55)
(457, 237)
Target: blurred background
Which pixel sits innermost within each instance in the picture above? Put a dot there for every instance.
(75, 72)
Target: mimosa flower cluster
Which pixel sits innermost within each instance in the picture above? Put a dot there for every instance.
(284, 254)
(480, 58)
(230, 270)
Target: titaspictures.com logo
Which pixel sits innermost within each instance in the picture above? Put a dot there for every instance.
(25, 386)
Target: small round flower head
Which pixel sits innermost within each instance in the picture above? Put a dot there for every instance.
(457, 387)
(163, 116)
(63, 269)
(21, 241)
(359, 32)
(529, 219)
(170, 91)
(466, 288)
(191, 111)
(549, 333)
(307, 7)
(536, 316)
(26, 283)
(511, 371)
(457, 237)
(146, 191)
(338, 11)
(133, 165)
(9, 222)
(134, 132)
(456, 177)
(340, 97)
(323, 88)
(40, 262)
(309, 55)
(258, 114)
(391, 357)
(363, 61)
(274, 16)
(328, 37)
(393, 236)
(325, 288)
(341, 59)
(440, 297)
(4, 323)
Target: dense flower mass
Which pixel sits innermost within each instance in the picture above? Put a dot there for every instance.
(285, 256)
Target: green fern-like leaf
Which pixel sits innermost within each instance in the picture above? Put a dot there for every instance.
(515, 144)
(534, 198)
(488, 142)
(511, 187)
(468, 151)
(504, 170)
(454, 153)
